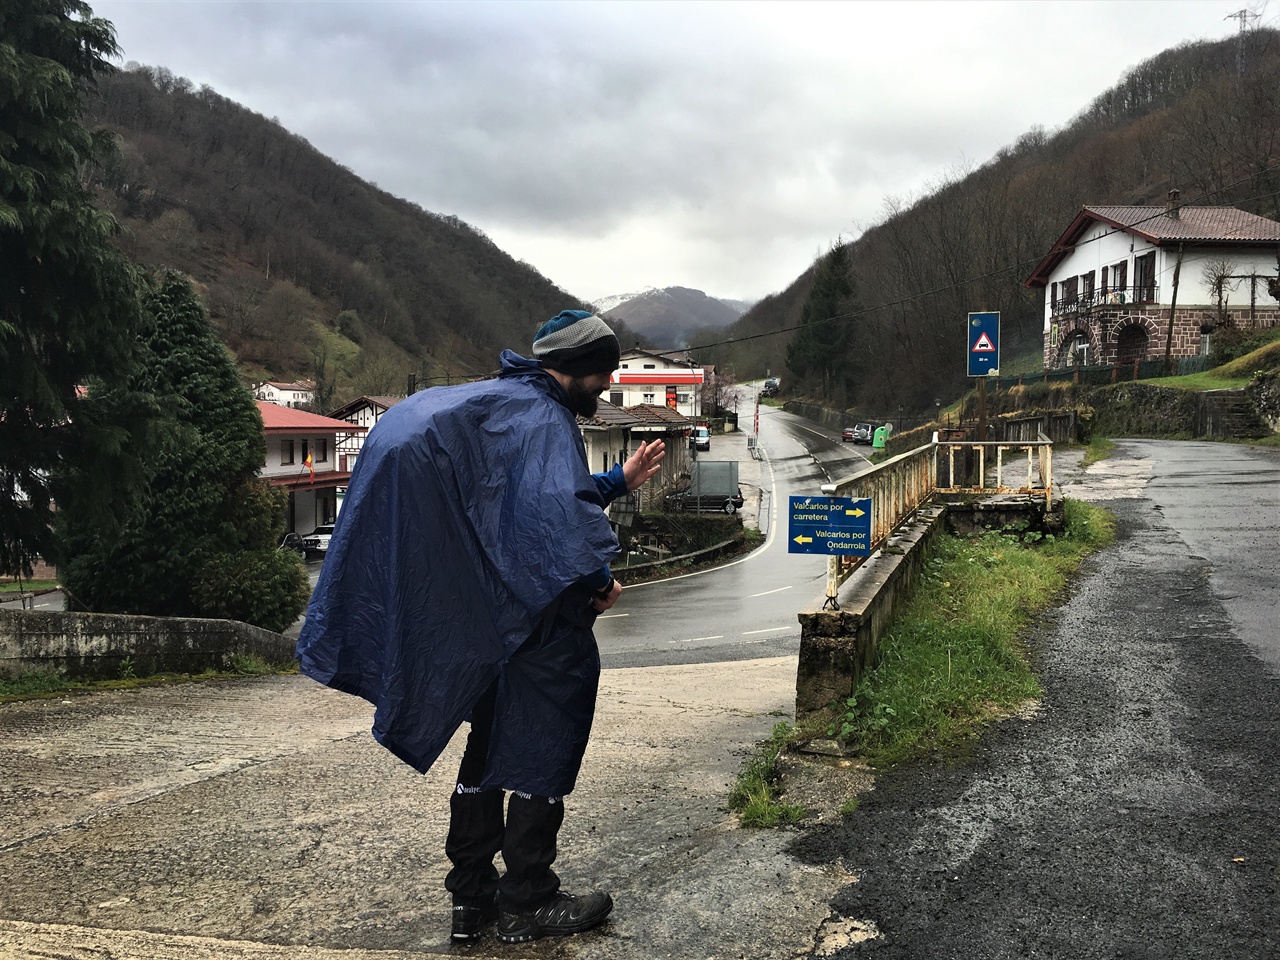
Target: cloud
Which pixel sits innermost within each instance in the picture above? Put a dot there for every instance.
(621, 145)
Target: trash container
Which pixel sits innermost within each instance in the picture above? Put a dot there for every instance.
(879, 438)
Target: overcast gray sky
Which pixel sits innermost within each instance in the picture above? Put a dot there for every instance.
(617, 145)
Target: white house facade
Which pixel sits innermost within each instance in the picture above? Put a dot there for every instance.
(364, 413)
(1119, 277)
(301, 460)
(297, 394)
(669, 380)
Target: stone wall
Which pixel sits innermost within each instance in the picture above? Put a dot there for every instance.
(1103, 327)
(1264, 393)
(836, 646)
(97, 645)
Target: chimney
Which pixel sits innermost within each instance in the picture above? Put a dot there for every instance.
(1171, 207)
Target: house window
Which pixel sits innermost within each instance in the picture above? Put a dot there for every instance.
(1104, 281)
(684, 397)
(1120, 277)
(1144, 278)
(306, 449)
(286, 452)
(322, 451)
(615, 397)
(1086, 286)
(647, 398)
(651, 366)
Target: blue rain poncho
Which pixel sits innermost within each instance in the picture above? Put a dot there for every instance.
(469, 525)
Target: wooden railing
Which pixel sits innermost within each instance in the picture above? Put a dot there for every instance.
(898, 487)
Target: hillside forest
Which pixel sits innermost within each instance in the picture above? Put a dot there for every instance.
(877, 324)
(309, 271)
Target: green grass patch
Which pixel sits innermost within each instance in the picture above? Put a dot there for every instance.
(1099, 448)
(755, 797)
(40, 684)
(26, 586)
(1199, 382)
(953, 661)
(1264, 358)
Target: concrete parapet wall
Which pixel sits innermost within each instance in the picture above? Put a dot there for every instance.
(95, 645)
(837, 646)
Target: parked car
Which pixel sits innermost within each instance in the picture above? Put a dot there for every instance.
(846, 434)
(770, 388)
(862, 433)
(292, 541)
(701, 438)
(317, 541)
(705, 503)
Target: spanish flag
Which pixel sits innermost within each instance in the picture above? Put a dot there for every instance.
(310, 466)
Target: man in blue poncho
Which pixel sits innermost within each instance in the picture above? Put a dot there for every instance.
(462, 581)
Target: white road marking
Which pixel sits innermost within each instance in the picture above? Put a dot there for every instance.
(611, 616)
(748, 633)
(767, 592)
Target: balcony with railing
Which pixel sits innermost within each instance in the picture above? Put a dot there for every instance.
(1086, 303)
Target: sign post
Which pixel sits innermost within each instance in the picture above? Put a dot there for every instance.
(837, 526)
(984, 357)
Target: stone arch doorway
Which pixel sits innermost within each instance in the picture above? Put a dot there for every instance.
(1132, 343)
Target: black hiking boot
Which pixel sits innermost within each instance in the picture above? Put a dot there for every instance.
(469, 920)
(562, 915)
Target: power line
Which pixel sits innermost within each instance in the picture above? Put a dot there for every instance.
(1021, 265)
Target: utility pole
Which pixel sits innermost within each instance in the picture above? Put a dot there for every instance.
(1244, 16)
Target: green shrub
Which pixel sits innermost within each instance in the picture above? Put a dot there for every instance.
(267, 588)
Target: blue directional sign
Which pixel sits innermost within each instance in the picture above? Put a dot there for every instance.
(984, 343)
(839, 525)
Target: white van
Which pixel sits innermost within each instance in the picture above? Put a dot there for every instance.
(701, 438)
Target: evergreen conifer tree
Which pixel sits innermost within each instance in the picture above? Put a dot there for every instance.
(818, 353)
(68, 304)
(201, 538)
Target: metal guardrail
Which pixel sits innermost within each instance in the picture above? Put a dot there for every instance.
(898, 487)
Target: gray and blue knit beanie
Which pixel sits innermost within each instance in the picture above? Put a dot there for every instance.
(577, 343)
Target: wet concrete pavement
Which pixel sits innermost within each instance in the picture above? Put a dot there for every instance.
(1131, 815)
(257, 818)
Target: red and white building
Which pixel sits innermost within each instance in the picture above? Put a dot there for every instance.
(670, 380)
(301, 458)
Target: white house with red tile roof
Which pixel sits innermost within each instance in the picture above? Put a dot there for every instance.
(667, 379)
(301, 459)
(1110, 285)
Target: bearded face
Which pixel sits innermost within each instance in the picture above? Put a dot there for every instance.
(584, 393)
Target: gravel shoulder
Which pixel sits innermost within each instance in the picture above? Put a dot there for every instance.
(1131, 815)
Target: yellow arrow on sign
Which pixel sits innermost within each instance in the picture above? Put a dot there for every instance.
(803, 539)
(855, 512)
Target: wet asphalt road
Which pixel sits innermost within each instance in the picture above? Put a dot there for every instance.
(1134, 814)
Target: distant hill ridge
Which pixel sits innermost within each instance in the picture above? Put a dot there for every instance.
(670, 317)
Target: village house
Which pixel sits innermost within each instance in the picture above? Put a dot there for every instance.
(363, 412)
(301, 460)
(1119, 277)
(671, 380)
(296, 394)
(654, 422)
